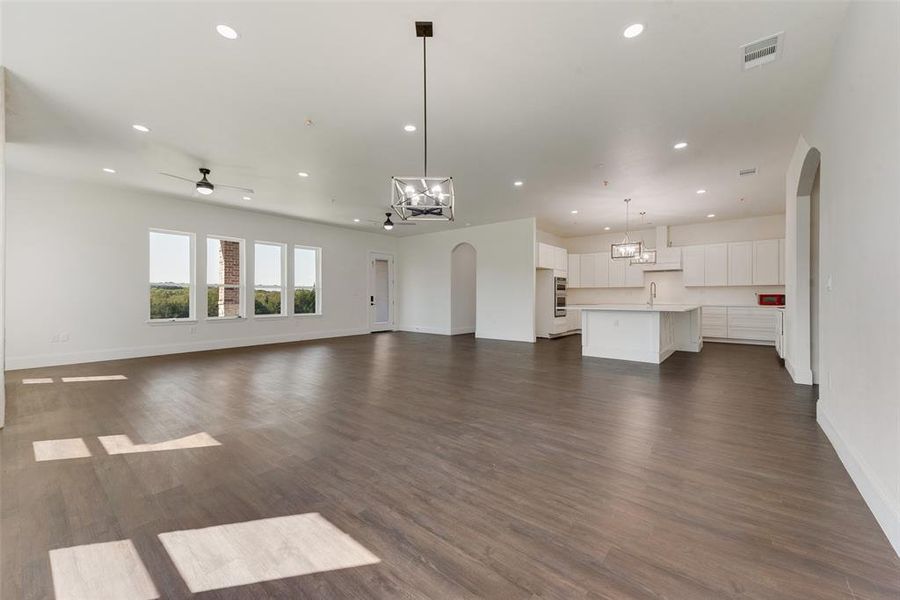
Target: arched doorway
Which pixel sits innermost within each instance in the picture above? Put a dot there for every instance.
(463, 290)
(802, 284)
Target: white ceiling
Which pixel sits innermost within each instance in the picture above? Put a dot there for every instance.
(549, 93)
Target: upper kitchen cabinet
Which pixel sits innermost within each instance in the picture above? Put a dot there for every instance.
(552, 257)
(588, 263)
(616, 271)
(716, 265)
(560, 260)
(693, 265)
(574, 274)
(780, 262)
(740, 263)
(634, 275)
(766, 263)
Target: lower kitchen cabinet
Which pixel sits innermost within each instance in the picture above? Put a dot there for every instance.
(740, 323)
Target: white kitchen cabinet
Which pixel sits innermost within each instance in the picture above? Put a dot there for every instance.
(716, 264)
(779, 333)
(765, 262)
(601, 269)
(693, 265)
(573, 318)
(588, 277)
(740, 263)
(560, 261)
(546, 257)
(714, 321)
(634, 275)
(616, 272)
(751, 323)
(781, 258)
(574, 274)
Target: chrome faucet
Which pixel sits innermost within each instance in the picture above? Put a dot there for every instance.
(652, 294)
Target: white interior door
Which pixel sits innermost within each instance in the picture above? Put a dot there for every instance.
(381, 292)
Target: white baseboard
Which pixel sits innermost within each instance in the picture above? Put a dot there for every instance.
(886, 511)
(801, 376)
(49, 360)
(736, 341)
(422, 329)
(462, 330)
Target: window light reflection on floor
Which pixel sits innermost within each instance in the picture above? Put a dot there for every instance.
(253, 551)
(35, 380)
(94, 378)
(60, 449)
(104, 570)
(122, 444)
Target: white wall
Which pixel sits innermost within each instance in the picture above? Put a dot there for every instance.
(463, 289)
(504, 278)
(78, 265)
(2, 241)
(855, 125)
(670, 288)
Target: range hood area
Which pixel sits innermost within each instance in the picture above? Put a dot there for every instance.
(667, 258)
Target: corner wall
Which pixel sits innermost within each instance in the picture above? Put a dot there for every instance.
(505, 271)
(856, 128)
(77, 273)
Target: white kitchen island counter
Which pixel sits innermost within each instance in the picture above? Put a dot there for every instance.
(639, 332)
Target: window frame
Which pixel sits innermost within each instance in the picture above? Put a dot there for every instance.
(284, 273)
(192, 284)
(242, 289)
(317, 287)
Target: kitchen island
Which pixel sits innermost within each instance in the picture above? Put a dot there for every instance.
(639, 332)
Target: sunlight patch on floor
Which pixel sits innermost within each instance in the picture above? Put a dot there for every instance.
(94, 378)
(101, 571)
(252, 551)
(122, 444)
(60, 449)
(35, 380)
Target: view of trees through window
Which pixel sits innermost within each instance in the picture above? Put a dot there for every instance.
(170, 275)
(306, 280)
(268, 284)
(172, 269)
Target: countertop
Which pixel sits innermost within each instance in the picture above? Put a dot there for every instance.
(637, 307)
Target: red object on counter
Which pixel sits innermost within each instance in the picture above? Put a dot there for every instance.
(771, 299)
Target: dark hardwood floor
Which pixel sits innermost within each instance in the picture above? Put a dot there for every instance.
(472, 469)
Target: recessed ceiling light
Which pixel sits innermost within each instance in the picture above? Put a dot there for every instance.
(303, 174)
(356, 220)
(710, 216)
(633, 30)
(701, 191)
(409, 128)
(518, 183)
(680, 145)
(227, 32)
(247, 198)
(606, 229)
(108, 170)
(574, 212)
(141, 128)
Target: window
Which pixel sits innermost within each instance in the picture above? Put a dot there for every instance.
(224, 278)
(268, 279)
(307, 289)
(171, 276)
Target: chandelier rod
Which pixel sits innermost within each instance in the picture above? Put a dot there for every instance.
(425, 102)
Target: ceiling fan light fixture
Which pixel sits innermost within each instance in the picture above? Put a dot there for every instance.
(204, 186)
(388, 224)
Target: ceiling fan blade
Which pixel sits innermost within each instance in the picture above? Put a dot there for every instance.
(178, 177)
(236, 187)
(404, 223)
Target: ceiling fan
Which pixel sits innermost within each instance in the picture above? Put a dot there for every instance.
(388, 224)
(204, 186)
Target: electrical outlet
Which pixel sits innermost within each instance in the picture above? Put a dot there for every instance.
(828, 285)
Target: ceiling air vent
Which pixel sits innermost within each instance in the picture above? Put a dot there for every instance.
(762, 51)
(746, 172)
